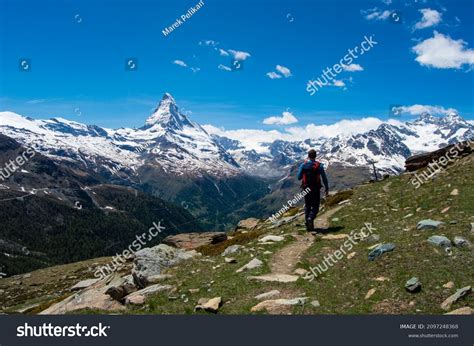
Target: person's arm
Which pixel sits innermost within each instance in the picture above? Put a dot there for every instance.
(300, 172)
(325, 179)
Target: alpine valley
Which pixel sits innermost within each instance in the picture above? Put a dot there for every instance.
(90, 189)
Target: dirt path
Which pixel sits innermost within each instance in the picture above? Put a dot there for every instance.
(284, 261)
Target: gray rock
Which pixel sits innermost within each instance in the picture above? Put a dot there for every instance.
(153, 289)
(380, 250)
(446, 305)
(149, 262)
(231, 249)
(271, 238)
(413, 285)
(83, 284)
(122, 290)
(267, 295)
(428, 224)
(254, 263)
(460, 241)
(249, 223)
(439, 240)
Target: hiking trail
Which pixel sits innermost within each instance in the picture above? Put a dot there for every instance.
(284, 260)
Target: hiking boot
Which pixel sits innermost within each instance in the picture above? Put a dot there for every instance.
(309, 226)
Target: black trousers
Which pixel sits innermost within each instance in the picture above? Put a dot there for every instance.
(311, 204)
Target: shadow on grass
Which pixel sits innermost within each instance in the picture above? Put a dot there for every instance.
(328, 230)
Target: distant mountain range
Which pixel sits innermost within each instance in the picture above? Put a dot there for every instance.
(177, 160)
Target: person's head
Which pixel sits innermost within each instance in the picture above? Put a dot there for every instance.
(312, 154)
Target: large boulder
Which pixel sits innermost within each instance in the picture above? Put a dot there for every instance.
(150, 262)
(191, 241)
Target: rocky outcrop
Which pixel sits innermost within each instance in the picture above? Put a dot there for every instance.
(191, 241)
(414, 163)
(150, 262)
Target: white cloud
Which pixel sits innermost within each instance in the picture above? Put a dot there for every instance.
(35, 102)
(429, 18)
(223, 67)
(352, 68)
(195, 69)
(285, 71)
(376, 14)
(387, 2)
(223, 52)
(253, 139)
(180, 63)
(286, 119)
(211, 43)
(441, 51)
(239, 55)
(420, 109)
(273, 75)
(338, 83)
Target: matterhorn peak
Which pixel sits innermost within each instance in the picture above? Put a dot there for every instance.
(167, 114)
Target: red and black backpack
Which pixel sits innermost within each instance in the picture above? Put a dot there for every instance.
(311, 176)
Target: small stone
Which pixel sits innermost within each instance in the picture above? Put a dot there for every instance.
(26, 276)
(412, 303)
(439, 240)
(230, 260)
(380, 250)
(351, 255)
(428, 224)
(254, 263)
(267, 253)
(413, 285)
(315, 303)
(448, 285)
(210, 305)
(382, 279)
(335, 219)
(455, 192)
(445, 210)
(194, 290)
(272, 305)
(407, 216)
(446, 305)
(267, 295)
(136, 300)
(370, 293)
(300, 271)
(232, 249)
(460, 241)
(461, 311)
(271, 238)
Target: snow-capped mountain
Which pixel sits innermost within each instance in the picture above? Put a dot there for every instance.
(387, 146)
(168, 141)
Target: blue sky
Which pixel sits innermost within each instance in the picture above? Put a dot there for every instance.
(77, 50)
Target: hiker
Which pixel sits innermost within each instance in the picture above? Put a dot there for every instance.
(311, 172)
